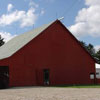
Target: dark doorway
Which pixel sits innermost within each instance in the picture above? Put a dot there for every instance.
(46, 76)
(4, 77)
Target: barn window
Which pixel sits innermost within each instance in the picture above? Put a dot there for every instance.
(91, 75)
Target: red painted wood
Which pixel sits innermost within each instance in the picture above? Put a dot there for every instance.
(53, 49)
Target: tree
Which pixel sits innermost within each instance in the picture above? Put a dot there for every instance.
(98, 56)
(1, 41)
(83, 44)
(91, 49)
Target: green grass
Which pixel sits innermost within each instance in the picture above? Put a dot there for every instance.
(78, 86)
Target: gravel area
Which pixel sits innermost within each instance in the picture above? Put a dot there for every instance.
(50, 93)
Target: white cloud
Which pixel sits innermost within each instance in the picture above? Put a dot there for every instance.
(33, 4)
(88, 20)
(97, 47)
(7, 36)
(79, 29)
(92, 2)
(26, 18)
(29, 18)
(9, 8)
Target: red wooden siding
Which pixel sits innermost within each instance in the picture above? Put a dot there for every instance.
(53, 49)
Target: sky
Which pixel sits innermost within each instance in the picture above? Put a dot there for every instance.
(81, 17)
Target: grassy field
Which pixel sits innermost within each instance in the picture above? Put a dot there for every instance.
(78, 86)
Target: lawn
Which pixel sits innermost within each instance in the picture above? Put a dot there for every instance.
(78, 86)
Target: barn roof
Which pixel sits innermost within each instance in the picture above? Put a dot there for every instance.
(12, 46)
(15, 44)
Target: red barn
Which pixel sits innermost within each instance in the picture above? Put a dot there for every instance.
(49, 55)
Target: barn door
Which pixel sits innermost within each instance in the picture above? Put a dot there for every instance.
(4, 77)
(42, 77)
(46, 76)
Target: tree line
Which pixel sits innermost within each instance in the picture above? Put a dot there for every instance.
(90, 48)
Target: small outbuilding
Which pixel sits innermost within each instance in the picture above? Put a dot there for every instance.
(97, 73)
(49, 55)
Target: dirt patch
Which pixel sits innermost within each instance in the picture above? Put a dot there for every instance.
(48, 93)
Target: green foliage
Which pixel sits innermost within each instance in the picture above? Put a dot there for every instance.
(77, 86)
(91, 50)
(98, 55)
(1, 41)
